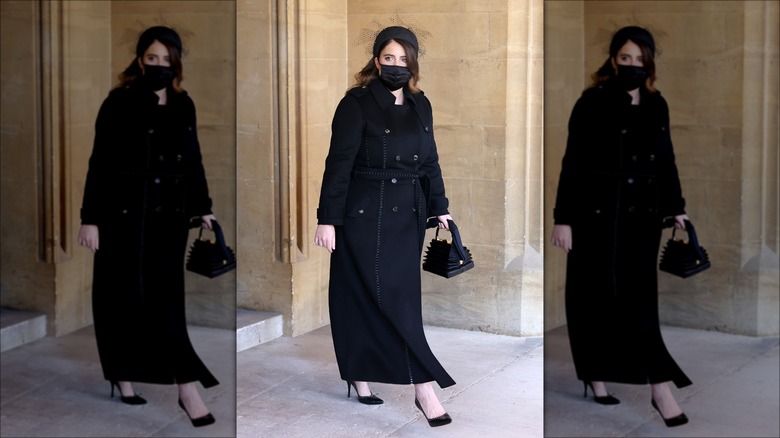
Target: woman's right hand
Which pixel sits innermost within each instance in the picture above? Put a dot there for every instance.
(561, 236)
(89, 237)
(325, 236)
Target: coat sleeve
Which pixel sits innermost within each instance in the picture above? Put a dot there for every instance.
(671, 201)
(438, 202)
(567, 196)
(96, 188)
(346, 136)
(198, 202)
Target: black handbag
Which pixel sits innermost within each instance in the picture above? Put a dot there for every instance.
(210, 258)
(446, 258)
(682, 258)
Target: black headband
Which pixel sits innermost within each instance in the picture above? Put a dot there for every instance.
(636, 34)
(395, 33)
(160, 33)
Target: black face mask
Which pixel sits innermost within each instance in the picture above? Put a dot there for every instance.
(630, 77)
(157, 77)
(394, 76)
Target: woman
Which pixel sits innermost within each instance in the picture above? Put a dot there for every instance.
(382, 180)
(618, 183)
(145, 182)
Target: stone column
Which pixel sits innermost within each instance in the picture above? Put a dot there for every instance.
(59, 54)
(759, 191)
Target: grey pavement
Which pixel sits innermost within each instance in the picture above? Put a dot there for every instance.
(54, 387)
(290, 387)
(735, 391)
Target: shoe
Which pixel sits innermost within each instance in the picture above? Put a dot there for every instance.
(671, 422)
(366, 400)
(134, 399)
(200, 421)
(600, 399)
(441, 420)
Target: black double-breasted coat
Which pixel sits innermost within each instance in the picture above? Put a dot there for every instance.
(145, 181)
(382, 180)
(618, 183)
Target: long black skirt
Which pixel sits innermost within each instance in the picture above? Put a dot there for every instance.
(374, 291)
(612, 304)
(138, 305)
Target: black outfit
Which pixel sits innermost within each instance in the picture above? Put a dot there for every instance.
(382, 180)
(145, 181)
(617, 184)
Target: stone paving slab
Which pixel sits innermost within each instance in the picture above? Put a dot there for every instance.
(54, 387)
(735, 391)
(290, 387)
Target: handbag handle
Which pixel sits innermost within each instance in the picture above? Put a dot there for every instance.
(692, 237)
(456, 242)
(218, 235)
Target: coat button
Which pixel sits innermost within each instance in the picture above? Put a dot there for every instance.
(189, 128)
(162, 157)
(631, 180)
(395, 209)
(178, 157)
(151, 131)
(414, 209)
(387, 131)
(360, 211)
(623, 131)
(415, 157)
(634, 158)
(177, 180)
(157, 180)
(158, 209)
(598, 211)
(663, 128)
(652, 157)
(393, 180)
(631, 209)
(124, 211)
(397, 158)
(427, 129)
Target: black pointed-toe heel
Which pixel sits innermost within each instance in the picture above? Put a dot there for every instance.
(670, 422)
(600, 399)
(441, 420)
(366, 400)
(134, 399)
(200, 421)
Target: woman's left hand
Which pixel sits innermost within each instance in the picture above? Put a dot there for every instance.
(207, 221)
(443, 221)
(679, 221)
